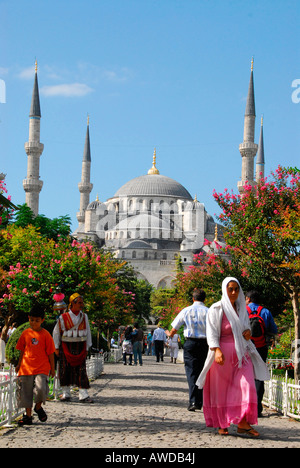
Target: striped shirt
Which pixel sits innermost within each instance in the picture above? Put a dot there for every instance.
(194, 320)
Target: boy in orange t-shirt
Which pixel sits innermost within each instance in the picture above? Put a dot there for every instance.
(35, 363)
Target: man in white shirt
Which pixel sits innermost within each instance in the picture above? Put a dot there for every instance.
(193, 318)
(159, 339)
(72, 339)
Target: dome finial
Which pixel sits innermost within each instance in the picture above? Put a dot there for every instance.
(153, 169)
(216, 233)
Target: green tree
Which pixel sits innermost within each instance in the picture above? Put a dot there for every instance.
(49, 228)
(262, 229)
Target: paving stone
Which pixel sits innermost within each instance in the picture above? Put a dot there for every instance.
(141, 407)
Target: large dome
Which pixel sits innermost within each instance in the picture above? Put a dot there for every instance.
(154, 185)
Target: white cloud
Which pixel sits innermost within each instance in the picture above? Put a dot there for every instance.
(27, 73)
(66, 90)
(119, 76)
(3, 71)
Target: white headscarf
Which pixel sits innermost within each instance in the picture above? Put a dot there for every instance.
(239, 320)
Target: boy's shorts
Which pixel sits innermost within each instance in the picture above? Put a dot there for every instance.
(30, 386)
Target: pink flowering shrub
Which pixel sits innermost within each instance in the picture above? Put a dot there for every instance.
(34, 267)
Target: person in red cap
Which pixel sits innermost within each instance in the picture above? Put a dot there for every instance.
(72, 338)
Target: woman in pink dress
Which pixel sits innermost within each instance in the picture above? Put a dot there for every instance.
(227, 379)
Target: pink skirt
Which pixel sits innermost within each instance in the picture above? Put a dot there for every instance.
(229, 392)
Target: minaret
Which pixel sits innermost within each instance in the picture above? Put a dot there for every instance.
(260, 160)
(248, 148)
(85, 187)
(34, 148)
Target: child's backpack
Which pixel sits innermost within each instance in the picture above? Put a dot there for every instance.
(258, 327)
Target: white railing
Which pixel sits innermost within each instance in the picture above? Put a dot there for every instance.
(282, 393)
(8, 400)
(9, 410)
(114, 355)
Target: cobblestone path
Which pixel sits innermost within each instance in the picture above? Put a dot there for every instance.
(141, 407)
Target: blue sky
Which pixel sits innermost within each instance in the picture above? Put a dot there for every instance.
(170, 74)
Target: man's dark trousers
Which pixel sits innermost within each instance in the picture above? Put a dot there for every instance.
(260, 385)
(195, 353)
(159, 350)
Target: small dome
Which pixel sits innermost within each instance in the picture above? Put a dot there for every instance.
(94, 204)
(138, 244)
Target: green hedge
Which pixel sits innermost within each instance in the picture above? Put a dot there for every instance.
(12, 354)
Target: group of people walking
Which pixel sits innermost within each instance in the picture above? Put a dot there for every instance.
(157, 341)
(225, 362)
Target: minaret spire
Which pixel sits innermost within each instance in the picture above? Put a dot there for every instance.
(34, 148)
(260, 161)
(85, 186)
(248, 148)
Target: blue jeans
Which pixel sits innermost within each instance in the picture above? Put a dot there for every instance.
(137, 351)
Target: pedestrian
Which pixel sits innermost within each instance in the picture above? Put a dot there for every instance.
(149, 343)
(195, 348)
(137, 343)
(36, 361)
(127, 346)
(159, 339)
(173, 344)
(229, 395)
(262, 326)
(72, 338)
(11, 329)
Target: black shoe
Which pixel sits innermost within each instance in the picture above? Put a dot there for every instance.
(25, 421)
(194, 407)
(41, 414)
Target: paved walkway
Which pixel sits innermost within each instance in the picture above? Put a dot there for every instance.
(141, 407)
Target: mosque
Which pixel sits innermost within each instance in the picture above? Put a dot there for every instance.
(152, 219)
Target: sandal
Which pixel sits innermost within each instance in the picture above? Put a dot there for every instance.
(223, 432)
(25, 421)
(41, 414)
(251, 432)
